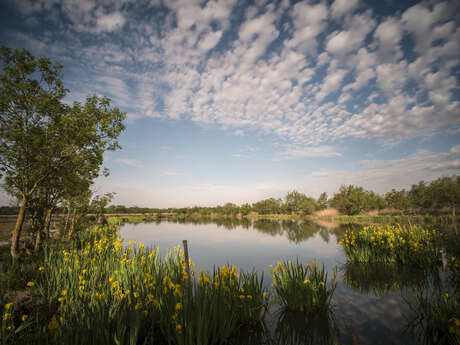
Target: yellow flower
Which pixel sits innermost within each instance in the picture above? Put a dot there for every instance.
(8, 306)
(178, 306)
(64, 293)
(138, 306)
(265, 294)
(30, 284)
(178, 327)
(41, 268)
(53, 324)
(306, 281)
(7, 316)
(24, 317)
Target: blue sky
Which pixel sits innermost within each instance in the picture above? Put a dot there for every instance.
(236, 101)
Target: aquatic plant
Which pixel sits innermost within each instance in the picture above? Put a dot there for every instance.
(303, 288)
(391, 243)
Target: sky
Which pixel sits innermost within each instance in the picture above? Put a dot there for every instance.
(238, 101)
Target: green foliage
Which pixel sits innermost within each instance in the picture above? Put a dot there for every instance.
(303, 288)
(49, 151)
(322, 201)
(400, 200)
(296, 202)
(353, 200)
(268, 206)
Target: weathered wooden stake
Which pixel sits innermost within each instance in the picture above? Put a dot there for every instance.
(444, 259)
(187, 265)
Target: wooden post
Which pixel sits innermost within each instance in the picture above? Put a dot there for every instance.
(187, 265)
(445, 265)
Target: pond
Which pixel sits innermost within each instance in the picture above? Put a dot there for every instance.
(372, 302)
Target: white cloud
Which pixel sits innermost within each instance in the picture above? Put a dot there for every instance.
(209, 40)
(111, 22)
(389, 34)
(331, 83)
(452, 165)
(318, 151)
(167, 67)
(342, 7)
(309, 22)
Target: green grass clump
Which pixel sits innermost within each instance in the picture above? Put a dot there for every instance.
(391, 243)
(303, 288)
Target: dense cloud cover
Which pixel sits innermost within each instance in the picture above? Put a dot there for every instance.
(310, 73)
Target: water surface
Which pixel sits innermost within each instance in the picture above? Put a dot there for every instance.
(371, 300)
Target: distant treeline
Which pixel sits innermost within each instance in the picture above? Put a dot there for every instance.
(426, 197)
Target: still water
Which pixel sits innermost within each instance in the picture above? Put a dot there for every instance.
(372, 302)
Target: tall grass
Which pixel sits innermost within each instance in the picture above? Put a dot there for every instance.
(391, 243)
(303, 288)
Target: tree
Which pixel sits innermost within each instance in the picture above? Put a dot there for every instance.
(296, 202)
(267, 206)
(399, 200)
(322, 201)
(445, 192)
(349, 199)
(41, 137)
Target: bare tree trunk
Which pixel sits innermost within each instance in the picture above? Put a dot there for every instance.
(72, 225)
(67, 219)
(16, 234)
(38, 240)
